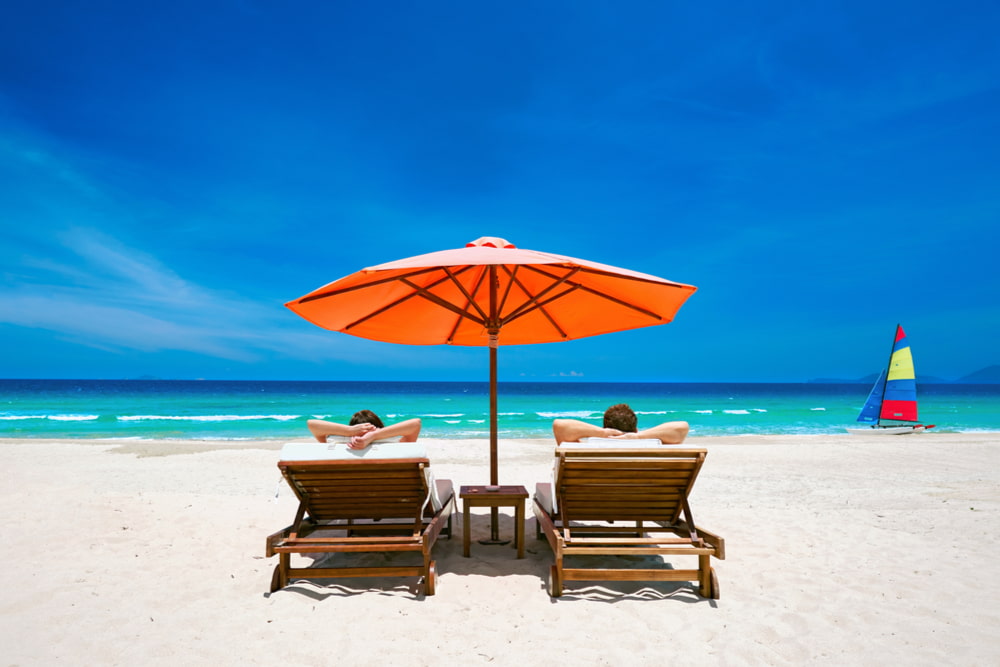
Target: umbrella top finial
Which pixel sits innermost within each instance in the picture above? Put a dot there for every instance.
(490, 242)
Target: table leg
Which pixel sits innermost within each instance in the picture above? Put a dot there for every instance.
(465, 530)
(519, 527)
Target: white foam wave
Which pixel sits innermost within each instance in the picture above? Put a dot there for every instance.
(818, 409)
(444, 416)
(704, 412)
(452, 421)
(568, 414)
(204, 418)
(736, 412)
(477, 421)
(57, 418)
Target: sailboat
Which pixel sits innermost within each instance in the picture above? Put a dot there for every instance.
(894, 396)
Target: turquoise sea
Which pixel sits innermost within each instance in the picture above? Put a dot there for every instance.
(179, 409)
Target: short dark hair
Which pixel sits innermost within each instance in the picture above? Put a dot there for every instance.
(366, 417)
(621, 417)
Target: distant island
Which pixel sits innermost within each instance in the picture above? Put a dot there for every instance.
(988, 375)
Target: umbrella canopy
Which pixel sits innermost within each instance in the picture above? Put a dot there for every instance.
(491, 293)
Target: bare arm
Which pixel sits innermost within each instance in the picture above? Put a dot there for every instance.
(322, 429)
(408, 431)
(571, 430)
(669, 433)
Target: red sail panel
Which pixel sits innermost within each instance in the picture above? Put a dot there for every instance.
(902, 410)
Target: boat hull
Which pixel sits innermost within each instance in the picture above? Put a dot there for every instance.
(887, 430)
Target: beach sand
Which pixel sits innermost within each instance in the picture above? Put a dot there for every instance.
(840, 550)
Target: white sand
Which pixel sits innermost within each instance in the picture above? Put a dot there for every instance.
(841, 550)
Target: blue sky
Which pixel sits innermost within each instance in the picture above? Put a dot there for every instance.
(172, 173)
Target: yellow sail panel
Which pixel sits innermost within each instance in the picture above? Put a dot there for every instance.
(901, 365)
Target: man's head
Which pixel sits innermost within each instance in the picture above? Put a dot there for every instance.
(621, 417)
(366, 417)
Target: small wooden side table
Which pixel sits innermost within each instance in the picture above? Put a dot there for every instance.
(504, 496)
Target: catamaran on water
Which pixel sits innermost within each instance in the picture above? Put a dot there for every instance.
(893, 399)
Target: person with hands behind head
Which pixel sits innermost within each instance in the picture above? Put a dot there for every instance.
(365, 428)
(620, 423)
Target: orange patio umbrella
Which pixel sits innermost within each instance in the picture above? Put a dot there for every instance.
(491, 293)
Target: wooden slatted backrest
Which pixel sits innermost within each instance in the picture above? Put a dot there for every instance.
(647, 484)
(375, 489)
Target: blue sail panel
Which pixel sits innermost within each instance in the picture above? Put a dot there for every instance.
(901, 390)
(870, 412)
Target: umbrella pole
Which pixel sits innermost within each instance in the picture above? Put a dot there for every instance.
(494, 464)
(494, 476)
(494, 332)
(494, 512)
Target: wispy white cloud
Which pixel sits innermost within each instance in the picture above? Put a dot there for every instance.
(90, 259)
(67, 268)
(102, 294)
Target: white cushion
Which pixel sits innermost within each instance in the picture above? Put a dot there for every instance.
(324, 451)
(440, 488)
(380, 449)
(545, 496)
(552, 495)
(619, 442)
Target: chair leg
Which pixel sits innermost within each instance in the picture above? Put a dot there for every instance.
(555, 581)
(280, 577)
(704, 577)
(430, 579)
(430, 573)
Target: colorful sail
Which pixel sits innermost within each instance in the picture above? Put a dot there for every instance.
(894, 396)
(899, 402)
(870, 413)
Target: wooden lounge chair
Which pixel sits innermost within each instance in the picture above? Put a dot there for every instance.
(625, 501)
(360, 505)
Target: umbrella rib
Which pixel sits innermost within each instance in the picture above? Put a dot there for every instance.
(606, 297)
(510, 284)
(590, 290)
(471, 300)
(434, 298)
(465, 292)
(352, 288)
(417, 291)
(533, 299)
(541, 306)
(381, 310)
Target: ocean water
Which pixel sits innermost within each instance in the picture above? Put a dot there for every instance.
(177, 409)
